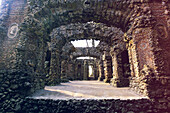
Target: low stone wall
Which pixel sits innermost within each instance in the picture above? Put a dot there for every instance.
(14, 87)
(157, 89)
(88, 106)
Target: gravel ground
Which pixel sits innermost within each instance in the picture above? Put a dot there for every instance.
(85, 90)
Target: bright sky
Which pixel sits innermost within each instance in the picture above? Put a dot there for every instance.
(83, 43)
(0, 2)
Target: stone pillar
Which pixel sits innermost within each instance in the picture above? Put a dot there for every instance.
(70, 70)
(149, 59)
(54, 75)
(118, 79)
(76, 70)
(95, 70)
(101, 70)
(86, 70)
(79, 69)
(154, 62)
(107, 66)
(141, 57)
(157, 52)
(64, 65)
(82, 70)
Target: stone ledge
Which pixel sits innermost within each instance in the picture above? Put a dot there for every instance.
(89, 105)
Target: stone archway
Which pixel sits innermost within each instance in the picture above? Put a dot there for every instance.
(140, 21)
(69, 61)
(38, 26)
(82, 52)
(90, 30)
(84, 11)
(144, 22)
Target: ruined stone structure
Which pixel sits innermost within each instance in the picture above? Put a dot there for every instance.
(35, 48)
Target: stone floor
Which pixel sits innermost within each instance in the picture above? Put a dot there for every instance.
(85, 90)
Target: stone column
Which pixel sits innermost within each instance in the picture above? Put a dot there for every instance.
(149, 58)
(64, 65)
(95, 70)
(118, 79)
(71, 70)
(86, 70)
(82, 69)
(79, 69)
(107, 66)
(101, 70)
(54, 75)
(76, 70)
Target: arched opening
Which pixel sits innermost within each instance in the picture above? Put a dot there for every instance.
(65, 61)
(47, 61)
(74, 54)
(79, 75)
(85, 43)
(87, 23)
(126, 64)
(38, 49)
(89, 70)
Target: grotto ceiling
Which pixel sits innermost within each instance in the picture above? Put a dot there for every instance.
(89, 30)
(82, 52)
(44, 16)
(90, 19)
(55, 23)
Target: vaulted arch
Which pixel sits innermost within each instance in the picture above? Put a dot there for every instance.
(89, 30)
(134, 18)
(82, 52)
(33, 34)
(45, 16)
(57, 13)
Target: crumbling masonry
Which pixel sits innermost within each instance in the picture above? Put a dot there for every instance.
(36, 49)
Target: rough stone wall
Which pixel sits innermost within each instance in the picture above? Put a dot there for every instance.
(107, 64)
(13, 49)
(90, 106)
(14, 87)
(66, 33)
(149, 53)
(95, 71)
(11, 15)
(89, 30)
(88, 51)
(101, 11)
(80, 69)
(121, 71)
(128, 15)
(101, 70)
(161, 50)
(71, 70)
(142, 52)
